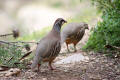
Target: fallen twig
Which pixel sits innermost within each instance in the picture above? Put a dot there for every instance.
(4, 68)
(6, 35)
(24, 42)
(15, 34)
(28, 53)
(10, 59)
(13, 43)
(9, 43)
(114, 47)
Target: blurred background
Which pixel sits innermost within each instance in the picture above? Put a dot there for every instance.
(34, 18)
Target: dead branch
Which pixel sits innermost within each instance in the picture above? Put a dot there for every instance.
(4, 35)
(3, 67)
(25, 55)
(10, 59)
(18, 42)
(15, 34)
(25, 42)
(113, 47)
(15, 44)
(9, 43)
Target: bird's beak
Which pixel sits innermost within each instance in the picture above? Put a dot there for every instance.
(65, 21)
(88, 28)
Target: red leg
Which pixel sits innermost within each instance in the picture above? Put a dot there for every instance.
(51, 65)
(67, 47)
(39, 67)
(75, 50)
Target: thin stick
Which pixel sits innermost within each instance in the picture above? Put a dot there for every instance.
(5, 42)
(6, 35)
(110, 46)
(10, 59)
(25, 55)
(24, 42)
(17, 42)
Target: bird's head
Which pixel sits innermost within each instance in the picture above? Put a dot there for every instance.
(86, 26)
(60, 22)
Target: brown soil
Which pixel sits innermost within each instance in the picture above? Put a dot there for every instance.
(98, 67)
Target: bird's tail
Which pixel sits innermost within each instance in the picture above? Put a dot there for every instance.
(36, 60)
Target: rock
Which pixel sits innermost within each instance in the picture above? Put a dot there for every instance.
(72, 59)
(12, 71)
(44, 79)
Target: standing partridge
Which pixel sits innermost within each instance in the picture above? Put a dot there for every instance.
(49, 47)
(73, 33)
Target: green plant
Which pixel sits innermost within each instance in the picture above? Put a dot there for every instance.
(10, 56)
(106, 31)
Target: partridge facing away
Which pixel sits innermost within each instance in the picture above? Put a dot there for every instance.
(49, 47)
(73, 33)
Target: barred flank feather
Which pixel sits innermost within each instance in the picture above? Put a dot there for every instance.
(73, 33)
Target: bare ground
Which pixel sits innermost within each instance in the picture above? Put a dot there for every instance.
(98, 67)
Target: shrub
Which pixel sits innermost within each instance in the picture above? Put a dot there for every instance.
(10, 56)
(108, 30)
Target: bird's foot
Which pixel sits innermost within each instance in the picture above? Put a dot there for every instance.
(51, 68)
(75, 50)
(36, 70)
(55, 70)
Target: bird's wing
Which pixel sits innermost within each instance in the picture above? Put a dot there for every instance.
(50, 47)
(42, 50)
(39, 51)
(69, 30)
